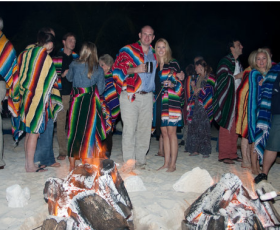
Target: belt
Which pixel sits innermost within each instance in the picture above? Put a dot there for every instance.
(140, 92)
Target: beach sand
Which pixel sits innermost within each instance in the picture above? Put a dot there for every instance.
(159, 207)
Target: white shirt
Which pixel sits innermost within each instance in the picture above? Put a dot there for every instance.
(237, 70)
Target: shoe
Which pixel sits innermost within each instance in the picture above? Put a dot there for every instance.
(277, 160)
(1, 167)
(260, 178)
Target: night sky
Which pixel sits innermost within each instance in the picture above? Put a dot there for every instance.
(191, 28)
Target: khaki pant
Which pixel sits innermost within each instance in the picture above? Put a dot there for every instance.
(137, 124)
(61, 122)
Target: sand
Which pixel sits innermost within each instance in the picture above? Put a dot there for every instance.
(159, 207)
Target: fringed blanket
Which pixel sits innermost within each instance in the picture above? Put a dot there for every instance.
(253, 102)
(58, 65)
(205, 97)
(264, 112)
(38, 91)
(242, 93)
(86, 124)
(9, 71)
(224, 97)
(129, 56)
(171, 97)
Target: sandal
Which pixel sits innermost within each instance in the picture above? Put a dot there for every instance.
(56, 164)
(238, 159)
(260, 178)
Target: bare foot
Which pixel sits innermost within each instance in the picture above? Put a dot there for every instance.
(163, 167)
(171, 169)
(56, 164)
(71, 168)
(256, 171)
(246, 165)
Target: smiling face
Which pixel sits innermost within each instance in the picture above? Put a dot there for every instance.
(69, 43)
(146, 36)
(261, 61)
(161, 49)
(237, 49)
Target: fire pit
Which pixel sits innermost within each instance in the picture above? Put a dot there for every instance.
(92, 196)
(228, 205)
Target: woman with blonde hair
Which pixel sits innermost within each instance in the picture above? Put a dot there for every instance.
(86, 123)
(262, 65)
(170, 91)
(200, 111)
(241, 118)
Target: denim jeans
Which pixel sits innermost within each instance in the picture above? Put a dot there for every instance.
(44, 149)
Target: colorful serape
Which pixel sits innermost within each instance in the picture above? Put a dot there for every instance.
(264, 111)
(38, 92)
(242, 94)
(9, 71)
(224, 97)
(58, 66)
(205, 97)
(253, 101)
(111, 96)
(86, 124)
(129, 56)
(171, 97)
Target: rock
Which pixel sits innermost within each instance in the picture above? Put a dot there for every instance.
(134, 184)
(16, 196)
(197, 180)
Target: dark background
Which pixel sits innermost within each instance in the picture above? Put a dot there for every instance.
(191, 28)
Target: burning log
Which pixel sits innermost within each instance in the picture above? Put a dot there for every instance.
(228, 205)
(93, 195)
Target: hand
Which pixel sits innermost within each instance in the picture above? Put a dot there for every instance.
(192, 84)
(261, 82)
(64, 73)
(167, 83)
(181, 76)
(196, 91)
(239, 76)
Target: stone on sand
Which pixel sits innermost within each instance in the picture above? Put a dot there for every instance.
(134, 184)
(197, 180)
(16, 196)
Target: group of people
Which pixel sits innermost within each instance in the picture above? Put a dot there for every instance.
(148, 88)
(243, 103)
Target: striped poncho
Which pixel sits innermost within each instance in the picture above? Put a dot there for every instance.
(242, 94)
(110, 102)
(224, 96)
(253, 102)
(38, 91)
(129, 56)
(86, 124)
(58, 66)
(263, 122)
(9, 71)
(171, 97)
(205, 98)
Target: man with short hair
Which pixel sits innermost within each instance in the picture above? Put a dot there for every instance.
(62, 61)
(135, 87)
(8, 73)
(229, 74)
